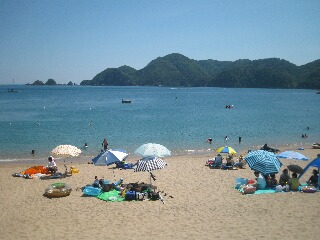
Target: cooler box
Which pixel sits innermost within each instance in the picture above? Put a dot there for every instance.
(130, 195)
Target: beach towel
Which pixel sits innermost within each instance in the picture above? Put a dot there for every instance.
(260, 191)
(112, 196)
(35, 169)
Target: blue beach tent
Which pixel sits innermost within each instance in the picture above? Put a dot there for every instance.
(109, 157)
(314, 163)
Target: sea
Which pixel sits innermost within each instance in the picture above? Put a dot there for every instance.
(39, 118)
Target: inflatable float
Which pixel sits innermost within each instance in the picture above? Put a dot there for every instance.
(309, 189)
(91, 191)
(57, 190)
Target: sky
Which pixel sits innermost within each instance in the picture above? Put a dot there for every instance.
(74, 40)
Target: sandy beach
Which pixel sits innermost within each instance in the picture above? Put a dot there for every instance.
(204, 205)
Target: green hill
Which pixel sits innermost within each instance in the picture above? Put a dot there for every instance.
(178, 70)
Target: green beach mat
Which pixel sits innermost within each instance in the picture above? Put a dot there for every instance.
(112, 196)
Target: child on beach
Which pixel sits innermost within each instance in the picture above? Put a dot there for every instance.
(272, 181)
(294, 182)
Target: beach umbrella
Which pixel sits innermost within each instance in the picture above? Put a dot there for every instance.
(226, 149)
(149, 164)
(109, 157)
(263, 161)
(295, 168)
(292, 155)
(152, 150)
(66, 151)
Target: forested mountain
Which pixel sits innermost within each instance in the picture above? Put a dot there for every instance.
(177, 70)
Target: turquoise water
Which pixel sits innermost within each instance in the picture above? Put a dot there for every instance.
(41, 117)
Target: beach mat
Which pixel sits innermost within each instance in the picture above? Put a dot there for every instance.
(112, 196)
(260, 191)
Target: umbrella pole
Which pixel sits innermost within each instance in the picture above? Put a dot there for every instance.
(150, 178)
(114, 176)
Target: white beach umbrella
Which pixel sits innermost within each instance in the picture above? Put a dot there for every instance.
(66, 150)
(153, 150)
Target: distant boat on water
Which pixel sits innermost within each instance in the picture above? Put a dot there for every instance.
(126, 101)
(12, 90)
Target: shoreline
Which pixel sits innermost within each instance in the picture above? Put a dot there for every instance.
(196, 152)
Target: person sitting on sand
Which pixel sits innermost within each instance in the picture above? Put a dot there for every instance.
(284, 177)
(272, 181)
(313, 180)
(96, 182)
(294, 182)
(52, 166)
(240, 162)
(230, 162)
(218, 159)
(260, 180)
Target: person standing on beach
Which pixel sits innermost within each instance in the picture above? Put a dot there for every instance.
(105, 144)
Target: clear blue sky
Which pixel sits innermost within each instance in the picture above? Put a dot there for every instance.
(73, 40)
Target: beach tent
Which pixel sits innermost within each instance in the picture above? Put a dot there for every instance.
(109, 157)
(314, 163)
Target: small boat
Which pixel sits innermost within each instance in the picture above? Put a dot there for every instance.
(316, 145)
(12, 90)
(126, 101)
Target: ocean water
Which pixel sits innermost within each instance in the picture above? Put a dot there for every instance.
(182, 119)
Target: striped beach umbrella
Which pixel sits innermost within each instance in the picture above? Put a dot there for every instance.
(149, 164)
(226, 149)
(292, 155)
(263, 161)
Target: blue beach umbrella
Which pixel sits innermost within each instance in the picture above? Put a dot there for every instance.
(263, 161)
(292, 155)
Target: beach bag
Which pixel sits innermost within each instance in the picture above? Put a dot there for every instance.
(249, 190)
(130, 195)
(154, 196)
(278, 188)
(240, 182)
(107, 187)
(141, 196)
